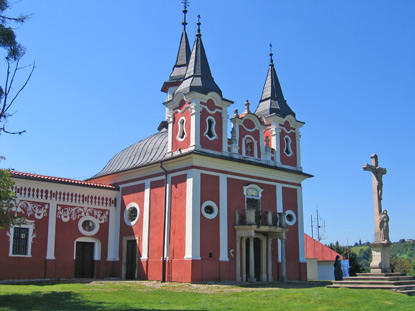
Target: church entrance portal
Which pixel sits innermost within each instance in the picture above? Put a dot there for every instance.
(84, 260)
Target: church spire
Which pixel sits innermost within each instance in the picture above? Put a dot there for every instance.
(182, 59)
(198, 77)
(272, 100)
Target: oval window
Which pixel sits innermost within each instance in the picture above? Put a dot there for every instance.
(88, 225)
(209, 209)
(131, 214)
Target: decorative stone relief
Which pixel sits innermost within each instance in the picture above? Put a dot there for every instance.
(73, 213)
(30, 208)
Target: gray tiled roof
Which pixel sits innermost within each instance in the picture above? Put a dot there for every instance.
(149, 150)
(198, 75)
(272, 100)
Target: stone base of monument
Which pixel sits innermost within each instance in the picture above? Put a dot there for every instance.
(380, 258)
(398, 282)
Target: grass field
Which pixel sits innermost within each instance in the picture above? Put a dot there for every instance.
(148, 295)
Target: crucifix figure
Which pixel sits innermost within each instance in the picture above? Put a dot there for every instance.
(377, 175)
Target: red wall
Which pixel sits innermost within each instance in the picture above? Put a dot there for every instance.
(155, 241)
(185, 143)
(66, 234)
(288, 160)
(177, 268)
(132, 194)
(26, 267)
(291, 244)
(206, 143)
(209, 230)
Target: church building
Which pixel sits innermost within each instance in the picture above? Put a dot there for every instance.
(197, 201)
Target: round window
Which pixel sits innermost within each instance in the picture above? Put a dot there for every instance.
(290, 218)
(131, 214)
(209, 209)
(88, 225)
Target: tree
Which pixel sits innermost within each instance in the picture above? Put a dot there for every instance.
(7, 197)
(14, 54)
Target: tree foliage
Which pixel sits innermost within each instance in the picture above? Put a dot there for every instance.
(14, 53)
(7, 197)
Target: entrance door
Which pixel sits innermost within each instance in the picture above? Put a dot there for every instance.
(131, 260)
(84, 260)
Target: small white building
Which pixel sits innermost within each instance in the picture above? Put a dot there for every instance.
(320, 260)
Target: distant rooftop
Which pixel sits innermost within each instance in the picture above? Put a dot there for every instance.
(61, 180)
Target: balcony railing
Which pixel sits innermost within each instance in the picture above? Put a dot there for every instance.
(254, 217)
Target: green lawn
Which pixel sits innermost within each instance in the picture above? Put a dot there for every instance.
(147, 295)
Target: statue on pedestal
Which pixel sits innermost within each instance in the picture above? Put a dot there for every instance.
(380, 249)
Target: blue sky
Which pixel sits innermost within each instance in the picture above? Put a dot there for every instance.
(347, 68)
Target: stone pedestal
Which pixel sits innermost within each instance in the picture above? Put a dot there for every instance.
(380, 258)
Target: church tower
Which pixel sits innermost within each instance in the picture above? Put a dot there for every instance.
(196, 112)
(283, 129)
(182, 60)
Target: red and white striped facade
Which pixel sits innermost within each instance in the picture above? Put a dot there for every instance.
(210, 208)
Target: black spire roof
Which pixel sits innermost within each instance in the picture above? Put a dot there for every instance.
(198, 77)
(272, 100)
(182, 60)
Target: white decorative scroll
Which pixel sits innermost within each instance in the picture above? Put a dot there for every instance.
(30, 208)
(73, 213)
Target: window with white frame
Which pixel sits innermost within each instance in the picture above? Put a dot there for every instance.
(21, 240)
(253, 194)
(287, 149)
(131, 214)
(210, 128)
(182, 131)
(88, 225)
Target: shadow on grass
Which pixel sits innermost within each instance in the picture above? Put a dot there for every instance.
(52, 301)
(281, 285)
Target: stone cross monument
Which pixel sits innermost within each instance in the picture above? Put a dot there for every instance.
(380, 249)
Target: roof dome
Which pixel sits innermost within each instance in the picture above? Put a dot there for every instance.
(147, 151)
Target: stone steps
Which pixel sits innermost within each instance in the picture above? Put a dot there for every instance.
(398, 282)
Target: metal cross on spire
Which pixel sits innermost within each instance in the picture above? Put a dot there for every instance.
(186, 5)
(270, 53)
(198, 26)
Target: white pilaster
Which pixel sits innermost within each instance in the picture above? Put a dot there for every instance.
(238, 258)
(114, 230)
(243, 259)
(275, 142)
(192, 244)
(251, 260)
(195, 124)
(168, 212)
(269, 247)
(224, 130)
(300, 219)
(223, 217)
(146, 220)
(280, 209)
(50, 252)
(169, 117)
(298, 138)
